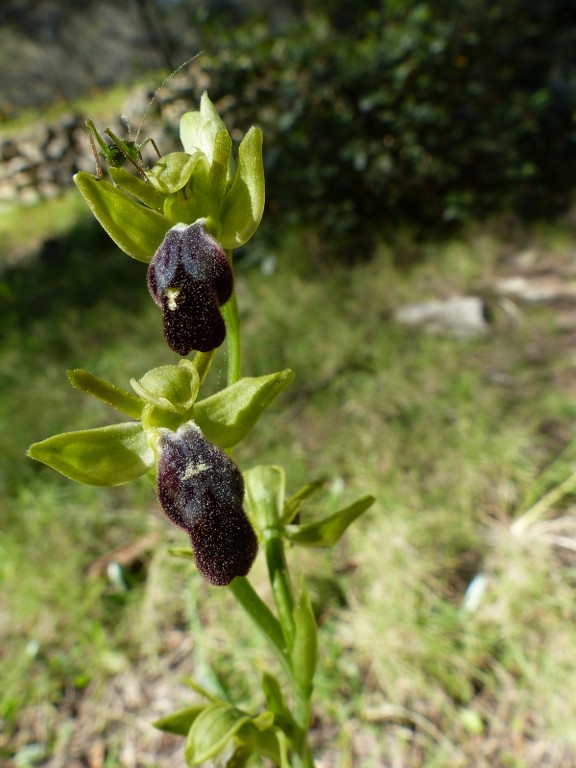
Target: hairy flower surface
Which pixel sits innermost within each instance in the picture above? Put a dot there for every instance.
(201, 490)
(190, 278)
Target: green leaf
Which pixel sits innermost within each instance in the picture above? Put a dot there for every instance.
(212, 730)
(305, 648)
(169, 387)
(226, 417)
(179, 722)
(295, 503)
(265, 489)
(326, 532)
(136, 229)
(118, 398)
(140, 189)
(111, 455)
(244, 202)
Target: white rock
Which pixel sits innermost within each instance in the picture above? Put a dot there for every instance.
(459, 316)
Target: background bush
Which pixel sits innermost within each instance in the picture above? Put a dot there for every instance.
(430, 112)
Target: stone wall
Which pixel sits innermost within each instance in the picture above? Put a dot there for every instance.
(39, 163)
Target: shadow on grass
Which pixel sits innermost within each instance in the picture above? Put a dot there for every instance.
(73, 272)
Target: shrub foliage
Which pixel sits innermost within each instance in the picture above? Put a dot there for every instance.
(430, 112)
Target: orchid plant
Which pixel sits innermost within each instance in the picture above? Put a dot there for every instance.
(183, 218)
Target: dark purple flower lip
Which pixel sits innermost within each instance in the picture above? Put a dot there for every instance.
(190, 278)
(201, 490)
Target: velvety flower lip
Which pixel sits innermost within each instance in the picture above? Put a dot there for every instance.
(190, 277)
(201, 490)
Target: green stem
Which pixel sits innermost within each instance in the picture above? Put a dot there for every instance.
(232, 320)
(302, 715)
(262, 616)
(280, 582)
(283, 595)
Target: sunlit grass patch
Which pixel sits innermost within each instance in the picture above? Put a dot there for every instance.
(447, 434)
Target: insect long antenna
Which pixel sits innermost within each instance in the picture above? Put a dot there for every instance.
(91, 131)
(162, 84)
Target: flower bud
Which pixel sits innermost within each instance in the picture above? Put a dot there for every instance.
(201, 490)
(190, 278)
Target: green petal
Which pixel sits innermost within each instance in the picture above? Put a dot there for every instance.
(226, 417)
(111, 455)
(118, 398)
(326, 532)
(295, 503)
(137, 230)
(169, 387)
(173, 171)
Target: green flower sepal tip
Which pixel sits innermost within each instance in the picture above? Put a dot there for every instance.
(165, 398)
(202, 182)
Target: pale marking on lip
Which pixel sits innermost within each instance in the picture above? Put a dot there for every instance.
(195, 469)
(172, 297)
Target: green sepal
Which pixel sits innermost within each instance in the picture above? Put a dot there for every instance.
(226, 417)
(212, 730)
(326, 532)
(295, 503)
(180, 722)
(136, 229)
(169, 387)
(140, 189)
(173, 171)
(244, 202)
(304, 652)
(111, 455)
(118, 398)
(198, 130)
(265, 490)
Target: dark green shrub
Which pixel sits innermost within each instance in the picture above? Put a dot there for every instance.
(426, 112)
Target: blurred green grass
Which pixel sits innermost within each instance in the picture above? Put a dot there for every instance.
(423, 422)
